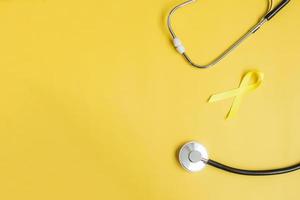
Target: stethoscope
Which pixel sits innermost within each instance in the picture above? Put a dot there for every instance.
(193, 156)
(181, 49)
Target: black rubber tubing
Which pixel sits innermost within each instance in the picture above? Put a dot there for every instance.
(254, 172)
(273, 12)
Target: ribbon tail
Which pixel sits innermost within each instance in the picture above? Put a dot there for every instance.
(234, 108)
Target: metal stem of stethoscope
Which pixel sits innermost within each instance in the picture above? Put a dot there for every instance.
(181, 49)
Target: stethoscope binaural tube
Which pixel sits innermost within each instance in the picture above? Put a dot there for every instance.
(193, 157)
(181, 49)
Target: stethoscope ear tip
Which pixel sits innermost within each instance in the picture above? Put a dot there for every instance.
(193, 156)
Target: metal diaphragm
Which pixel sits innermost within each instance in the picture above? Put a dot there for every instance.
(193, 156)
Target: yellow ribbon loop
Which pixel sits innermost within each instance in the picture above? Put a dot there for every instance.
(245, 87)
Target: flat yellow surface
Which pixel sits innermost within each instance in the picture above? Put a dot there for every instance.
(95, 101)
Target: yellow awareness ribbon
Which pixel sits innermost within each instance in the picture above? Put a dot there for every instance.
(245, 87)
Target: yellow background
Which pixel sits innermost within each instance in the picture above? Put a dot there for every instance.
(95, 101)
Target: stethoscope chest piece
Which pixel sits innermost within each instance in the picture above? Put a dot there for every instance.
(193, 156)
